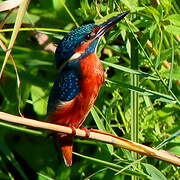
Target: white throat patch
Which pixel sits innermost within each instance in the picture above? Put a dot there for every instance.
(74, 56)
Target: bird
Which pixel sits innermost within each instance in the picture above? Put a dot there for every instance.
(78, 81)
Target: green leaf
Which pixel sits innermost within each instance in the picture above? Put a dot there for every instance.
(44, 177)
(100, 126)
(130, 4)
(145, 92)
(47, 174)
(10, 157)
(114, 166)
(132, 71)
(58, 4)
(29, 78)
(175, 149)
(175, 73)
(175, 30)
(39, 100)
(4, 176)
(153, 12)
(28, 18)
(154, 172)
(174, 19)
(21, 129)
(165, 54)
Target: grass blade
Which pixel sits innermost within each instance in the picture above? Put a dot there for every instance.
(145, 92)
(9, 155)
(131, 71)
(114, 166)
(100, 126)
(134, 98)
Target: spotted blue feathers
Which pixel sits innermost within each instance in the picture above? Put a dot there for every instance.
(65, 88)
(69, 43)
(69, 86)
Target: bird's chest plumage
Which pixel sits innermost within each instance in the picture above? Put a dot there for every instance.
(91, 77)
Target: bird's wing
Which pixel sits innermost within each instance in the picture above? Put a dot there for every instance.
(65, 88)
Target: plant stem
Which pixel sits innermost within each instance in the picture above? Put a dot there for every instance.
(134, 97)
(22, 129)
(35, 29)
(153, 68)
(95, 135)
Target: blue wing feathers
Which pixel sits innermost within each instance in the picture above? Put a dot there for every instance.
(69, 86)
(65, 88)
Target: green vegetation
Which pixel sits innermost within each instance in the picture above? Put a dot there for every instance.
(140, 55)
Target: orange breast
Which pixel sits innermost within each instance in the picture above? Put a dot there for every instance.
(74, 112)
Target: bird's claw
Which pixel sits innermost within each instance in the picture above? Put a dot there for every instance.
(87, 132)
(73, 130)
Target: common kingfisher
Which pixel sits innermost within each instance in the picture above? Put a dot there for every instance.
(79, 80)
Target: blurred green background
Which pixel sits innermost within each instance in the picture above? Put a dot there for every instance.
(140, 54)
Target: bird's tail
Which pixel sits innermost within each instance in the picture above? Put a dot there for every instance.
(66, 142)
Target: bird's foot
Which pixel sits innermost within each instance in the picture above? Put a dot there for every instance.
(87, 132)
(73, 130)
(55, 135)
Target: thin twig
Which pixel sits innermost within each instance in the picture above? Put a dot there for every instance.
(96, 135)
(35, 29)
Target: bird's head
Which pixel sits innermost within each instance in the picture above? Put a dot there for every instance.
(82, 41)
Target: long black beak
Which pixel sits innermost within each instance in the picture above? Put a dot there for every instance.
(109, 23)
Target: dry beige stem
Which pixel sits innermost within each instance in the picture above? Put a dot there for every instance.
(9, 4)
(96, 135)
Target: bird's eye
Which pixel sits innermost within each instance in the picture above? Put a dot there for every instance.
(88, 37)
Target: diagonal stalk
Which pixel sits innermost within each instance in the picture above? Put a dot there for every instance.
(95, 135)
(134, 97)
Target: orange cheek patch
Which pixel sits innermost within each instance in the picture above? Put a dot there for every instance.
(96, 29)
(83, 46)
